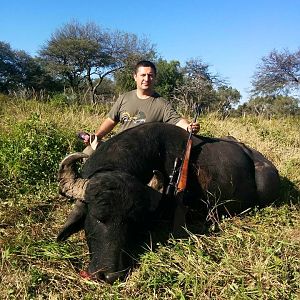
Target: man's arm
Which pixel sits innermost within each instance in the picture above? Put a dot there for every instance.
(107, 126)
(186, 125)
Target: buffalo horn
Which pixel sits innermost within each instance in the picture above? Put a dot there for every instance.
(70, 183)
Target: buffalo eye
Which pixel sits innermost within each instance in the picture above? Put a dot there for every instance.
(100, 219)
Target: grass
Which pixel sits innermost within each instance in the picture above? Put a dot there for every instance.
(254, 256)
(245, 260)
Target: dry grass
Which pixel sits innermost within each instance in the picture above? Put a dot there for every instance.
(255, 256)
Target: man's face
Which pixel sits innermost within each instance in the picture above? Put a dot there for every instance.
(144, 78)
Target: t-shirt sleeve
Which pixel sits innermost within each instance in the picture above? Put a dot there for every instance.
(170, 114)
(114, 112)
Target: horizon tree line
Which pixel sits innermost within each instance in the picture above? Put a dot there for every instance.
(89, 64)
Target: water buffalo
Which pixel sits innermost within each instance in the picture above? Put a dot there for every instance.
(113, 198)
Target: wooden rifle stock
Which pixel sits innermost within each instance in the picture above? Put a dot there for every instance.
(183, 174)
(178, 178)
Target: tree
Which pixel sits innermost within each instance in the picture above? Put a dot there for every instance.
(197, 86)
(226, 98)
(284, 105)
(106, 91)
(80, 53)
(260, 105)
(279, 72)
(18, 70)
(8, 70)
(124, 80)
(271, 105)
(169, 76)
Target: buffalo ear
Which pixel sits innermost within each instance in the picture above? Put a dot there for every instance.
(154, 189)
(75, 221)
(155, 198)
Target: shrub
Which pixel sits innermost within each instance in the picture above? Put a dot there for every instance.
(30, 154)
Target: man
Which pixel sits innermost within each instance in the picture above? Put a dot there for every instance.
(137, 107)
(140, 106)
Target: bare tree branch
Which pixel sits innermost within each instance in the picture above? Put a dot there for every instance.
(279, 72)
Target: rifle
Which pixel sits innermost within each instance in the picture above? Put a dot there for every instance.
(178, 178)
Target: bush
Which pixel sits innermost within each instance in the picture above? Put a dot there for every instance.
(30, 154)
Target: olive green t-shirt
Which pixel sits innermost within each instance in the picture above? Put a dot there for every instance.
(131, 111)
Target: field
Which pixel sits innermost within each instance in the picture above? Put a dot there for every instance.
(252, 256)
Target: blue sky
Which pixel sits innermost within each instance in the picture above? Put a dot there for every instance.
(230, 35)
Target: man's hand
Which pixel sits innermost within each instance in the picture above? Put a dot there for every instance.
(86, 139)
(89, 139)
(189, 126)
(84, 136)
(194, 127)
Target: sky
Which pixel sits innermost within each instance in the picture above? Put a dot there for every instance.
(231, 36)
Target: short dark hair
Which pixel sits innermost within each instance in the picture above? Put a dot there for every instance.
(145, 63)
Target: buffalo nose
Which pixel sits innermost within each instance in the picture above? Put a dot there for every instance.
(112, 277)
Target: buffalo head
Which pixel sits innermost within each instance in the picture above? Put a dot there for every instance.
(108, 206)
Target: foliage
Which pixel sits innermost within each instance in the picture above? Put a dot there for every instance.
(77, 53)
(271, 106)
(227, 97)
(106, 90)
(197, 86)
(89, 64)
(169, 76)
(278, 72)
(30, 155)
(18, 70)
(124, 80)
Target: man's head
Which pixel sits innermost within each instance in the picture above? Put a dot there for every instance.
(144, 75)
(145, 64)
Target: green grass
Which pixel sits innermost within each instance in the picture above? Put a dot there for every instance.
(243, 261)
(254, 256)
